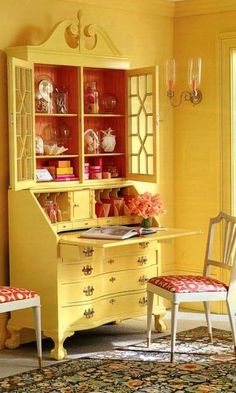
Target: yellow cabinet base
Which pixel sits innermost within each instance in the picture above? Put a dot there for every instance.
(79, 317)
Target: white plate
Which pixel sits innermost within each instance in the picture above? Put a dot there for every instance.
(46, 89)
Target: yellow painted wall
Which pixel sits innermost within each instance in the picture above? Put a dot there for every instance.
(143, 36)
(198, 189)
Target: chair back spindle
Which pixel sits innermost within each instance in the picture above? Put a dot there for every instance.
(227, 253)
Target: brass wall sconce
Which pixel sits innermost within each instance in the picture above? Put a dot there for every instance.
(194, 79)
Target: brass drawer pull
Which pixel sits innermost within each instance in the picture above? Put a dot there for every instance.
(88, 251)
(87, 270)
(110, 261)
(143, 301)
(142, 280)
(89, 313)
(142, 260)
(76, 205)
(89, 290)
(143, 244)
(112, 279)
(112, 301)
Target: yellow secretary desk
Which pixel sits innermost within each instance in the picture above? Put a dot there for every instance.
(53, 196)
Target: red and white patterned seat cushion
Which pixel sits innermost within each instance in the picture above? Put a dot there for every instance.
(11, 294)
(189, 283)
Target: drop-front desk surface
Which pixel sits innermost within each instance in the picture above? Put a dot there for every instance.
(75, 238)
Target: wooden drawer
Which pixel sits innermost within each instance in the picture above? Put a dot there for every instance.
(79, 270)
(76, 269)
(90, 222)
(76, 253)
(105, 285)
(64, 226)
(143, 246)
(133, 261)
(108, 221)
(95, 313)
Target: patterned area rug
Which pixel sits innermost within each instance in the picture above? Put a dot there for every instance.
(191, 346)
(202, 367)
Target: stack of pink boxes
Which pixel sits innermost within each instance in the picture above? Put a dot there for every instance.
(64, 171)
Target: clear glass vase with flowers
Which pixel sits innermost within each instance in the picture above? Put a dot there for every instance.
(146, 206)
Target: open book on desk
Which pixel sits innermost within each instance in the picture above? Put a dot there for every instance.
(117, 232)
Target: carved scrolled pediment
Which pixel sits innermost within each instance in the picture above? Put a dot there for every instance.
(71, 35)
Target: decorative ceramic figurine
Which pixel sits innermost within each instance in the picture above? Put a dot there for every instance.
(51, 150)
(39, 145)
(108, 140)
(91, 141)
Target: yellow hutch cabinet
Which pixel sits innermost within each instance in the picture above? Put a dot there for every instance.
(72, 163)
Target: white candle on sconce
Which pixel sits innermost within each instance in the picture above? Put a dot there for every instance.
(194, 78)
(170, 76)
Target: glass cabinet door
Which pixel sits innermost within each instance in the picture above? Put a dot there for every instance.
(21, 121)
(142, 124)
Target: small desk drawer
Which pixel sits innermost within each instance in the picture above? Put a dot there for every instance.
(69, 253)
(129, 262)
(143, 246)
(64, 226)
(90, 222)
(108, 221)
(79, 270)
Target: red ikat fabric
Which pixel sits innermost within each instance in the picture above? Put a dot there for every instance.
(11, 294)
(188, 283)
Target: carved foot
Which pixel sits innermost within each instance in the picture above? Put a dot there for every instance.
(13, 341)
(58, 352)
(159, 324)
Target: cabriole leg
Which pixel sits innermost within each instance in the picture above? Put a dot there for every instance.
(159, 324)
(58, 352)
(13, 341)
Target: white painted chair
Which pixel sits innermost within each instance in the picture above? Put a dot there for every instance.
(12, 299)
(190, 288)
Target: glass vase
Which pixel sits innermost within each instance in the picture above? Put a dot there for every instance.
(146, 222)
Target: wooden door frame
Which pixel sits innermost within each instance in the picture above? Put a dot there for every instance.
(227, 44)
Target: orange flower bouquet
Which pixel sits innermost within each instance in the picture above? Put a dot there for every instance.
(147, 206)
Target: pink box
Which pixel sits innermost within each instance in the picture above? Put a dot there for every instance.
(86, 167)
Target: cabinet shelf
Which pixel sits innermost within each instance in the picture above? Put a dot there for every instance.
(104, 155)
(102, 115)
(112, 180)
(57, 156)
(55, 114)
